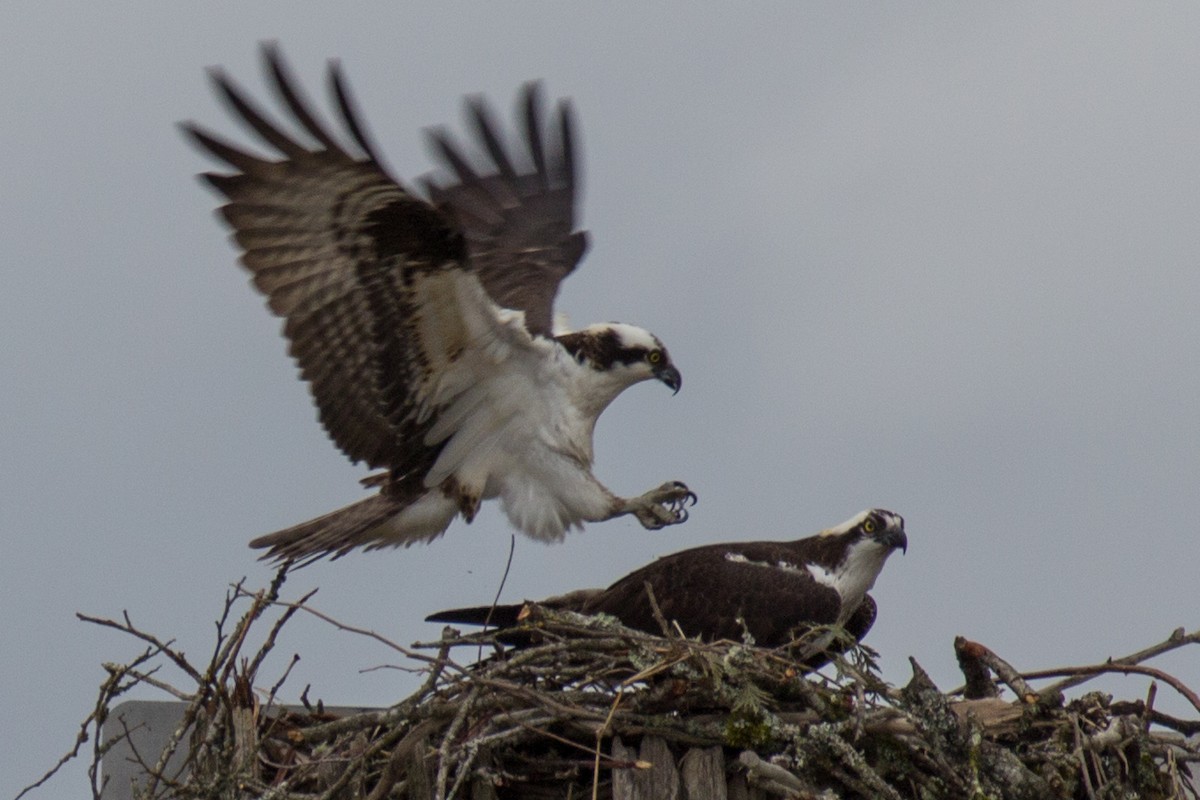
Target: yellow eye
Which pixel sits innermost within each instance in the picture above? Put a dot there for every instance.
(654, 357)
(869, 526)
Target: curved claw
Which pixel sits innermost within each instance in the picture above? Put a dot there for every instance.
(659, 518)
(652, 523)
(666, 505)
(679, 507)
(684, 495)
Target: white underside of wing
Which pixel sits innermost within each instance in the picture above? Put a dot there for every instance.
(502, 407)
(461, 332)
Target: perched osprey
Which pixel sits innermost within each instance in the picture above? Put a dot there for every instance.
(773, 590)
(424, 327)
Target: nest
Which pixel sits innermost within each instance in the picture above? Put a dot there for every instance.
(592, 709)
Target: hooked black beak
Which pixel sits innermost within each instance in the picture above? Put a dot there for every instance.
(895, 539)
(671, 377)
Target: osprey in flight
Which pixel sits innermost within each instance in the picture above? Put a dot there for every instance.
(424, 327)
(775, 591)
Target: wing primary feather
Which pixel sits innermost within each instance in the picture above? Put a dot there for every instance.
(566, 129)
(286, 87)
(533, 131)
(255, 118)
(346, 107)
(223, 184)
(485, 128)
(432, 189)
(442, 141)
(222, 149)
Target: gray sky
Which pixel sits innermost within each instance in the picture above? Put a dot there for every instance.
(937, 259)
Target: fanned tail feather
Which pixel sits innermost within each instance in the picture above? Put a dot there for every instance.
(333, 534)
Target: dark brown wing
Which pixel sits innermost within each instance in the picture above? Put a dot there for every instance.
(863, 618)
(707, 593)
(519, 212)
(856, 626)
(338, 247)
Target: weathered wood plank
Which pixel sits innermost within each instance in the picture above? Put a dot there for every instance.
(659, 782)
(662, 779)
(483, 789)
(418, 772)
(622, 779)
(738, 789)
(702, 772)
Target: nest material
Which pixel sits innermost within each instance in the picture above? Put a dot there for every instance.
(593, 709)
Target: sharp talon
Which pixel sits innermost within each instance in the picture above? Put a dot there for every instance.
(666, 505)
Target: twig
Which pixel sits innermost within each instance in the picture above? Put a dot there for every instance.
(512, 548)
(1081, 674)
(829, 737)
(269, 644)
(149, 679)
(370, 634)
(110, 689)
(275, 687)
(773, 778)
(355, 766)
(400, 753)
(1082, 754)
(601, 732)
(979, 678)
(159, 646)
(1177, 639)
(1004, 671)
(1148, 713)
(451, 734)
(663, 625)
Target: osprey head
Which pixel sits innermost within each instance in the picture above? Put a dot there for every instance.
(625, 352)
(863, 544)
(874, 528)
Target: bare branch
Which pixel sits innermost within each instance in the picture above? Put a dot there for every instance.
(977, 653)
(1177, 639)
(1083, 673)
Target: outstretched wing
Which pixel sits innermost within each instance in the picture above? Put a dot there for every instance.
(519, 214)
(372, 281)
